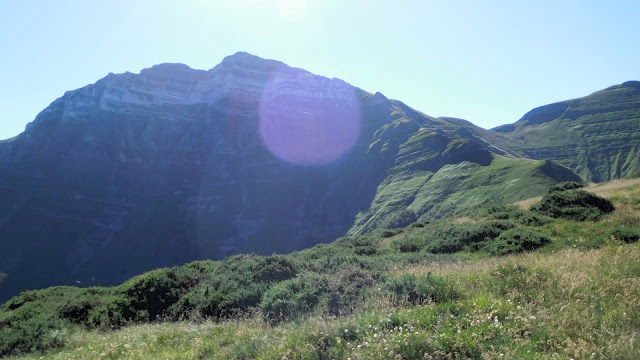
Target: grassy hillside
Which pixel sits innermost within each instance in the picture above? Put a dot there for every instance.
(474, 178)
(502, 282)
(596, 136)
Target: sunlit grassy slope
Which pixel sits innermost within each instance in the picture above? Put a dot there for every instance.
(577, 297)
(596, 136)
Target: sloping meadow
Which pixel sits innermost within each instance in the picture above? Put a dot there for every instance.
(502, 281)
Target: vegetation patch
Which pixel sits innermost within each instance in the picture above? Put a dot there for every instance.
(446, 237)
(412, 289)
(428, 290)
(573, 205)
(515, 241)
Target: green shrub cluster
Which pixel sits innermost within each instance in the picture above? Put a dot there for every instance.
(626, 233)
(515, 241)
(446, 237)
(512, 213)
(312, 292)
(293, 297)
(573, 205)
(35, 320)
(564, 186)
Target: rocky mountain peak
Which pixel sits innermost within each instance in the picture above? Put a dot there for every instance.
(245, 61)
(172, 72)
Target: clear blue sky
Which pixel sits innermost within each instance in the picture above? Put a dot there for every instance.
(485, 61)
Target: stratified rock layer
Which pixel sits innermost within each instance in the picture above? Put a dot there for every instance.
(139, 171)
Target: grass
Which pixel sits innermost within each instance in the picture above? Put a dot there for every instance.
(561, 305)
(455, 188)
(577, 297)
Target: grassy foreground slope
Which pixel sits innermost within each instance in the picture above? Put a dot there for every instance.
(431, 290)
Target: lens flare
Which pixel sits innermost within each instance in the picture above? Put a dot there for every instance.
(306, 119)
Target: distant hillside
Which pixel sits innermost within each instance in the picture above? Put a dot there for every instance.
(597, 136)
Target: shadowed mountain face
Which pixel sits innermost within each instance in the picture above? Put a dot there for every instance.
(139, 171)
(597, 136)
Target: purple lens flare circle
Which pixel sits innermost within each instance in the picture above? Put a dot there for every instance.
(307, 119)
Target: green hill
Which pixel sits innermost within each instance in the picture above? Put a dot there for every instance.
(596, 136)
(500, 282)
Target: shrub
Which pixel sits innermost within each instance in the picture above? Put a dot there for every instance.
(32, 321)
(626, 234)
(448, 238)
(387, 233)
(501, 212)
(514, 241)
(409, 244)
(292, 297)
(573, 205)
(513, 213)
(564, 186)
(347, 290)
(272, 269)
(147, 296)
(39, 333)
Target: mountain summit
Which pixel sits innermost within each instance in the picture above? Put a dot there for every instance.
(139, 171)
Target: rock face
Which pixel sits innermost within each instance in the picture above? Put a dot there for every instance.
(597, 136)
(139, 171)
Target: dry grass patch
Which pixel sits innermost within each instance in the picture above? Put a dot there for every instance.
(609, 188)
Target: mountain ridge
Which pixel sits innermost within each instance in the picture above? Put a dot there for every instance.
(139, 171)
(596, 135)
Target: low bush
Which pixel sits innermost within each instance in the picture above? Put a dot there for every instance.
(512, 213)
(515, 241)
(36, 333)
(449, 237)
(37, 319)
(292, 297)
(573, 205)
(347, 290)
(628, 235)
(564, 186)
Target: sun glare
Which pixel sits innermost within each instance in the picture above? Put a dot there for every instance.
(292, 10)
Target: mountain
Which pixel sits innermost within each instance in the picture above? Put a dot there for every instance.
(596, 136)
(140, 171)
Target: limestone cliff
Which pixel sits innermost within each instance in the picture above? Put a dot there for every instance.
(139, 171)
